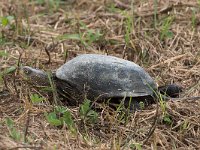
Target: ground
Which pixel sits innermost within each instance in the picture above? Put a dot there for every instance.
(161, 36)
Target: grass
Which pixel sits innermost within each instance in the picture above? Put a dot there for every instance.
(164, 43)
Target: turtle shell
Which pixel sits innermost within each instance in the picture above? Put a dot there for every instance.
(107, 76)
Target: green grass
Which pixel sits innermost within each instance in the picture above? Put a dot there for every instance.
(194, 19)
(155, 12)
(128, 25)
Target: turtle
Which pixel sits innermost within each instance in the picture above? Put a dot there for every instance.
(98, 77)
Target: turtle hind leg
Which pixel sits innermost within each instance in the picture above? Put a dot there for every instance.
(171, 90)
(69, 92)
(131, 103)
(138, 103)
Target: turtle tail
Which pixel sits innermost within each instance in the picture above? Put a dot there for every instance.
(171, 90)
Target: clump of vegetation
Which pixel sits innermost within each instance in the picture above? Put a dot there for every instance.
(61, 116)
(14, 133)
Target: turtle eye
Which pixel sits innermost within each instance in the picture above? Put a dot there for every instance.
(27, 71)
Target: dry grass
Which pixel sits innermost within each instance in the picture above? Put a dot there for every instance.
(167, 47)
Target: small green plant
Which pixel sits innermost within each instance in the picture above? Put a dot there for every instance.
(86, 37)
(69, 37)
(86, 113)
(53, 119)
(35, 98)
(165, 28)
(142, 105)
(162, 104)
(123, 112)
(167, 119)
(136, 146)
(61, 116)
(90, 35)
(3, 54)
(194, 19)
(14, 134)
(159, 97)
(128, 21)
(184, 126)
(5, 21)
(6, 71)
(155, 12)
(128, 25)
(113, 9)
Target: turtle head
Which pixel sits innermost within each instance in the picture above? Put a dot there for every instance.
(171, 90)
(33, 76)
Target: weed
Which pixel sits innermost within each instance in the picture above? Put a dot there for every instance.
(167, 119)
(128, 28)
(123, 112)
(52, 88)
(6, 71)
(111, 8)
(184, 126)
(136, 146)
(35, 98)
(141, 105)
(6, 21)
(90, 35)
(194, 19)
(87, 114)
(3, 54)
(61, 116)
(86, 38)
(53, 119)
(14, 134)
(69, 37)
(165, 28)
(162, 103)
(155, 12)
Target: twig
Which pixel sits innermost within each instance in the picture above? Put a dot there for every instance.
(26, 126)
(49, 48)
(122, 5)
(153, 125)
(25, 147)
